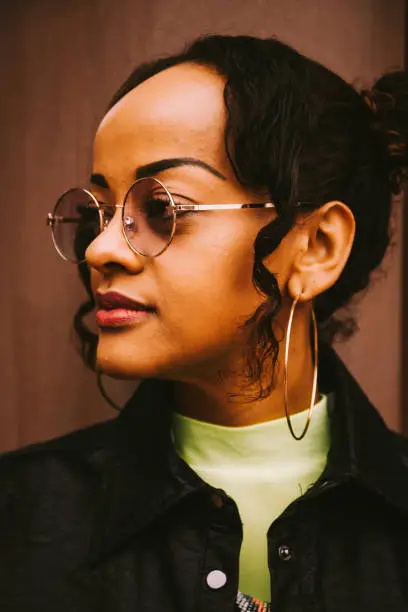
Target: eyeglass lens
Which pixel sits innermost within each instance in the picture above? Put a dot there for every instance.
(148, 220)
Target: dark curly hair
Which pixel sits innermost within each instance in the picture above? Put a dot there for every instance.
(300, 132)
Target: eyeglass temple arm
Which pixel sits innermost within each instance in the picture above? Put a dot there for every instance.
(192, 207)
(52, 219)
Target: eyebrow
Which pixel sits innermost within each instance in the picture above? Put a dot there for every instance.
(159, 166)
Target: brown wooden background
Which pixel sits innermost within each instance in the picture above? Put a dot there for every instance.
(60, 63)
(404, 330)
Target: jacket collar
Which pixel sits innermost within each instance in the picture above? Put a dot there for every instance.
(362, 446)
(144, 477)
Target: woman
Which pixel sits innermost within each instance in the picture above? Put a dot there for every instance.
(248, 471)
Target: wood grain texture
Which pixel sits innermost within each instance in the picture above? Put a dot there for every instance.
(404, 301)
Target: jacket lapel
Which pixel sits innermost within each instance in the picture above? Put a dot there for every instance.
(143, 475)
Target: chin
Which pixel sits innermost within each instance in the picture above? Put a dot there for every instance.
(125, 371)
(126, 365)
(125, 359)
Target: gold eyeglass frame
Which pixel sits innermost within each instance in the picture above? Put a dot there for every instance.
(53, 219)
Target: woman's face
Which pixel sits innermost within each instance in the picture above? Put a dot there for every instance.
(201, 286)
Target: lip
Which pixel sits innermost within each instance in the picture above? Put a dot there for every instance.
(114, 300)
(119, 317)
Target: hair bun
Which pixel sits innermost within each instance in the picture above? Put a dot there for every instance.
(388, 100)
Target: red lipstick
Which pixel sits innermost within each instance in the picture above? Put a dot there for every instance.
(117, 309)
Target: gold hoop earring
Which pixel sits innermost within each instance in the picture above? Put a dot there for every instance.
(285, 375)
(103, 392)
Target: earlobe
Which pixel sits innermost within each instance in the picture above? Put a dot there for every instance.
(328, 235)
(295, 288)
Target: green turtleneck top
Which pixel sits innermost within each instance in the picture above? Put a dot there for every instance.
(262, 468)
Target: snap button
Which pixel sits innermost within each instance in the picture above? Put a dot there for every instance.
(216, 579)
(284, 552)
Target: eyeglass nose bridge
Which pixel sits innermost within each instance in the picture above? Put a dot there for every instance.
(102, 212)
(127, 221)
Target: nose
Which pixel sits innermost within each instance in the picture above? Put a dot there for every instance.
(110, 247)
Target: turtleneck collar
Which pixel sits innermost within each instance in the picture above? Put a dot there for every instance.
(209, 445)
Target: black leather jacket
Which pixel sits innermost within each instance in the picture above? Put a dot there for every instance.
(110, 519)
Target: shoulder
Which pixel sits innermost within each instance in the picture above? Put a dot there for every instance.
(50, 499)
(58, 463)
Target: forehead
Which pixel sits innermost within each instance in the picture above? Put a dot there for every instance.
(178, 112)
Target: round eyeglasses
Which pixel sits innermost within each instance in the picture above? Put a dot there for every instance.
(149, 216)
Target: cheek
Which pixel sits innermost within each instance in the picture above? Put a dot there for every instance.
(211, 288)
(203, 288)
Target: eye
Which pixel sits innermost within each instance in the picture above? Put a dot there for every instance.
(157, 206)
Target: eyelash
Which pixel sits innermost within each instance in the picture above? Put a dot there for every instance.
(181, 213)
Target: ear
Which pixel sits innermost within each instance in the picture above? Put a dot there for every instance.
(324, 243)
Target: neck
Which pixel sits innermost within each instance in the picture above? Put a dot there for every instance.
(210, 401)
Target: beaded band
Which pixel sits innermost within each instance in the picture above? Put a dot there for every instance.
(246, 603)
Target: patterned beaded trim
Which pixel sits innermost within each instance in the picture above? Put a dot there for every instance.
(246, 603)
